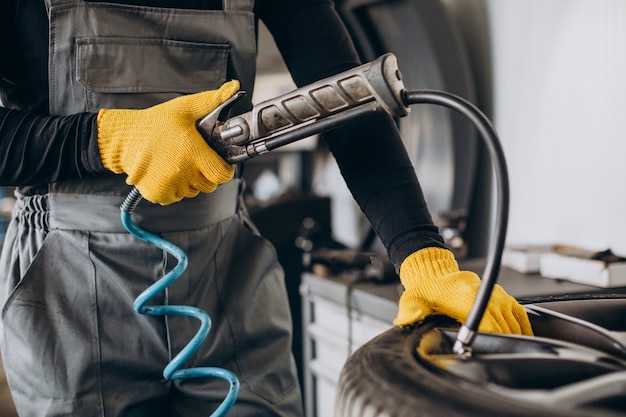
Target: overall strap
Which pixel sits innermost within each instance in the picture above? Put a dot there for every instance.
(245, 5)
(50, 3)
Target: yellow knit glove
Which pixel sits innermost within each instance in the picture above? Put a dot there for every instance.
(434, 285)
(160, 149)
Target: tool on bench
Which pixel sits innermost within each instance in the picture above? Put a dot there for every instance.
(376, 86)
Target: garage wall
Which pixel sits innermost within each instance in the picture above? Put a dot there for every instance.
(559, 73)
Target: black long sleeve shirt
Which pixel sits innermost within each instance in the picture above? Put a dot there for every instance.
(37, 149)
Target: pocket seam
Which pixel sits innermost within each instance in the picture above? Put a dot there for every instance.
(220, 52)
(24, 278)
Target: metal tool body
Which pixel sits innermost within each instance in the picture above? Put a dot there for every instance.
(371, 87)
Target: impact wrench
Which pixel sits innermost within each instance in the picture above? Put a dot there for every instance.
(373, 87)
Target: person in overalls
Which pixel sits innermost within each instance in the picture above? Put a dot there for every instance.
(71, 342)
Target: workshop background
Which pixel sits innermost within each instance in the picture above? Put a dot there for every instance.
(550, 74)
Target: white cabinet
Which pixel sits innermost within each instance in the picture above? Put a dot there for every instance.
(339, 316)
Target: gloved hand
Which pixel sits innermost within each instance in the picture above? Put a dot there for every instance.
(160, 149)
(434, 285)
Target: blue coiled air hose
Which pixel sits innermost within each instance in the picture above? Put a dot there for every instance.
(172, 371)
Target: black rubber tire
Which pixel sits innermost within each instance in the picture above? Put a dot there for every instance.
(386, 378)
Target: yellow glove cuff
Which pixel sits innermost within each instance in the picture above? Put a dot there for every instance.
(427, 263)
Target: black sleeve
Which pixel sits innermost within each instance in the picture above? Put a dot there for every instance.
(374, 163)
(6, 10)
(370, 153)
(38, 150)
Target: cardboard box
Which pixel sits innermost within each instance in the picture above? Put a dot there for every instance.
(583, 270)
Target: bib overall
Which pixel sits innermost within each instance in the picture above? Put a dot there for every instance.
(71, 341)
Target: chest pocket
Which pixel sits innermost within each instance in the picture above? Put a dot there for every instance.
(119, 72)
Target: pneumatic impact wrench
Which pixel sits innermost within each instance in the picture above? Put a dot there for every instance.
(376, 86)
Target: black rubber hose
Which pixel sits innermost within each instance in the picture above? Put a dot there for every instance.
(490, 137)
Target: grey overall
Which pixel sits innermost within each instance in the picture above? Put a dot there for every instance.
(71, 341)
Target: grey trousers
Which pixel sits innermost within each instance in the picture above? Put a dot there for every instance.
(74, 346)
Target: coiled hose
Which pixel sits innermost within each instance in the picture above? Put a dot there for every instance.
(172, 370)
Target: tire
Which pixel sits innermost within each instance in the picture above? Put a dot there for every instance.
(575, 365)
